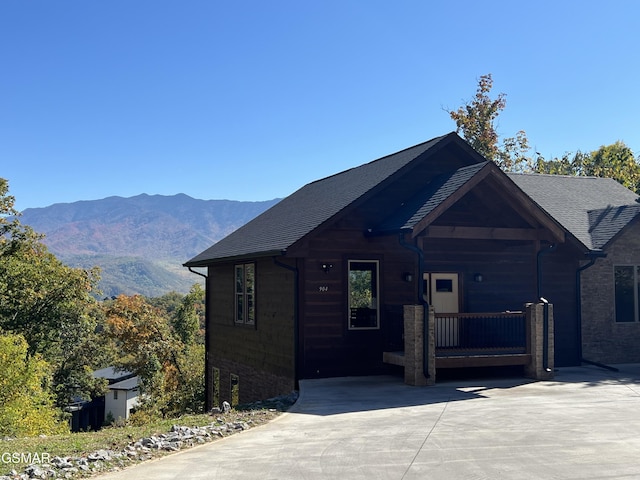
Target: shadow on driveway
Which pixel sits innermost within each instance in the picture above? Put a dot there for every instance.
(332, 396)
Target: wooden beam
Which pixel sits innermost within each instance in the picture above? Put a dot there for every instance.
(453, 198)
(487, 233)
(499, 182)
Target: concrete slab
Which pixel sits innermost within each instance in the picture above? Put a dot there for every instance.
(585, 424)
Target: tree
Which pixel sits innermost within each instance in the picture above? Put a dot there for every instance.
(171, 372)
(13, 235)
(613, 161)
(48, 303)
(26, 407)
(143, 337)
(561, 166)
(476, 121)
(186, 322)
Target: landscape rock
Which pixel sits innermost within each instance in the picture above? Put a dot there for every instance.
(178, 438)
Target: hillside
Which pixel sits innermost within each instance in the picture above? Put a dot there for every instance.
(139, 242)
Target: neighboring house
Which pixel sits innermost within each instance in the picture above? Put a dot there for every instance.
(316, 285)
(90, 414)
(112, 374)
(121, 399)
(122, 394)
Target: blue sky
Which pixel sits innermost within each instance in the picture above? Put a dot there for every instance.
(249, 100)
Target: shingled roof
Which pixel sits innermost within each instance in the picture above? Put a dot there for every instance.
(594, 210)
(436, 192)
(275, 230)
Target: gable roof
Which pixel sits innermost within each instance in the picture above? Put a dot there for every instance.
(112, 374)
(275, 230)
(435, 193)
(593, 209)
(128, 384)
(446, 189)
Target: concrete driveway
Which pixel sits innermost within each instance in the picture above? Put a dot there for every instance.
(583, 425)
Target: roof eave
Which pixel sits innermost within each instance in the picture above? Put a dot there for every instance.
(392, 231)
(233, 258)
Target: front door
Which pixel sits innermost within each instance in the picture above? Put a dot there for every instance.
(443, 296)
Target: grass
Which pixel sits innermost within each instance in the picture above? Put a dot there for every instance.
(117, 438)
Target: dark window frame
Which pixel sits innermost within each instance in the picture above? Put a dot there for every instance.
(360, 317)
(244, 294)
(626, 286)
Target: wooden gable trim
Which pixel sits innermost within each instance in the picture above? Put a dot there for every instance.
(525, 204)
(522, 204)
(451, 200)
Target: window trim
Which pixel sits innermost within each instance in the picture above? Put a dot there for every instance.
(244, 298)
(376, 308)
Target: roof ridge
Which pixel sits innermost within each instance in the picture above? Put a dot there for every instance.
(399, 152)
(556, 175)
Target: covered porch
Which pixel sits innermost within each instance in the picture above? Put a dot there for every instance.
(460, 340)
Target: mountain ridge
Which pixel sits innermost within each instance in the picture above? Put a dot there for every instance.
(139, 242)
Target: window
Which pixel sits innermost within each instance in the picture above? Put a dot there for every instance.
(245, 293)
(363, 295)
(627, 291)
(115, 394)
(444, 285)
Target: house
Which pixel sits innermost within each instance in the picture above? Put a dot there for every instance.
(91, 414)
(122, 393)
(121, 399)
(318, 285)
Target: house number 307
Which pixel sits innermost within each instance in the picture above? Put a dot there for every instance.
(323, 289)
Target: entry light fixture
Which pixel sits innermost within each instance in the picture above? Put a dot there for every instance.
(326, 267)
(408, 277)
(478, 278)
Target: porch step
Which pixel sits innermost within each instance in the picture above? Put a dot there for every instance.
(393, 358)
(499, 360)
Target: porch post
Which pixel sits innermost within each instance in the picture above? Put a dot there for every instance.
(540, 341)
(414, 347)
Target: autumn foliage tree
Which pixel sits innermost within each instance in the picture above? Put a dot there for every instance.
(476, 121)
(48, 303)
(171, 371)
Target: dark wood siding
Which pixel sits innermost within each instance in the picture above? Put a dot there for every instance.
(508, 271)
(329, 348)
(268, 346)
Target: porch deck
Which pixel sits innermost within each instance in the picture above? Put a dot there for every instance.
(493, 339)
(476, 340)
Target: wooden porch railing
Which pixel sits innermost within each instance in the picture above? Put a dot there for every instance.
(460, 340)
(503, 332)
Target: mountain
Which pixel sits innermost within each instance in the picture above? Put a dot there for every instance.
(139, 242)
